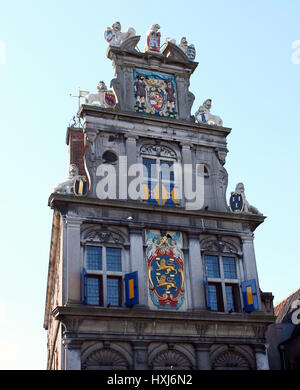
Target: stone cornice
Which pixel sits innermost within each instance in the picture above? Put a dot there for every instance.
(61, 202)
(91, 312)
(133, 117)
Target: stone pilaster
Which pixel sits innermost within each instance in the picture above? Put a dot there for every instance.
(140, 355)
(72, 355)
(202, 356)
(138, 263)
(73, 261)
(196, 272)
(249, 261)
(261, 357)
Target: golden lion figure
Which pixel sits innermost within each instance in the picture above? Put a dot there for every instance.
(162, 266)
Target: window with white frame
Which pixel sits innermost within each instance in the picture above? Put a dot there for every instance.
(222, 283)
(103, 275)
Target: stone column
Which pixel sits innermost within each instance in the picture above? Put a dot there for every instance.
(261, 357)
(202, 356)
(127, 103)
(140, 355)
(186, 154)
(72, 355)
(196, 272)
(138, 263)
(73, 261)
(249, 262)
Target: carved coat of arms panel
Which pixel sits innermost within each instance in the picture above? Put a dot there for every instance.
(165, 264)
(155, 93)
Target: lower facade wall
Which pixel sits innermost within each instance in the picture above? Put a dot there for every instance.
(142, 355)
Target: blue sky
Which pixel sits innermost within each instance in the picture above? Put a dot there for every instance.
(244, 50)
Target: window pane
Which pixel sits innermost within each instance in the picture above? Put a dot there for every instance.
(113, 259)
(151, 186)
(213, 297)
(167, 170)
(229, 298)
(113, 292)
(212, 266)
(94, 257)
(229, 268)
(92, 291)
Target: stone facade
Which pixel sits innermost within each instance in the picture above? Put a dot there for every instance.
(82, 336)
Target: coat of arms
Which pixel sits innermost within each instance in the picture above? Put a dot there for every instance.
(165, 269)
(109, 99)
(80, 186)
(155, 94)
(236, 202)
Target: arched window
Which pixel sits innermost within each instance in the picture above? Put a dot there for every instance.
(159, 176)
(222, 276)
(103, 270)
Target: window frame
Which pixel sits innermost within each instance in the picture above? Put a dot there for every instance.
(159, 160)
(104, 274)
(223, 281)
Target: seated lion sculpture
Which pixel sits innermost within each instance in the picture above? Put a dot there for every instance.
(203, 114)
(248, 208)
(66, 187)
(97, 99)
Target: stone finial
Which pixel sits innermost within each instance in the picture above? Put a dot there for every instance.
(153, 39)
(203, 114)
(115, 37)
(103, 98)
(66, 187)
(240, 189)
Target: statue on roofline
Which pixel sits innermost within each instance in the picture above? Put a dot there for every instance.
(203, 114)
(115, 37)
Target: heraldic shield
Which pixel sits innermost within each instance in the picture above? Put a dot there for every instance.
(165, 269)
(80, 186)
(236, 202)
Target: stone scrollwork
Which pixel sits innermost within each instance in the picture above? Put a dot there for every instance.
(230, 360)
(171, 359)
(158, 150)
(221, 153)
(105, 359)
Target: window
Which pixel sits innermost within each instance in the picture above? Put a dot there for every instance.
(222, 283)
(103, 280)
(159, 184)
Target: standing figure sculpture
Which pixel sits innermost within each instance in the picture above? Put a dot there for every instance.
(171, 97)
(140, 93)
(203, 114)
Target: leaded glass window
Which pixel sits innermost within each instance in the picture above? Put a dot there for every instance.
(113, 259)
(229, 268)
(212, 266)
(93, 257)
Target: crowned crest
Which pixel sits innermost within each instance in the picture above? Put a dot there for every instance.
(165, 269)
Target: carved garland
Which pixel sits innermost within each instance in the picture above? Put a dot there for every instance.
(158, 150)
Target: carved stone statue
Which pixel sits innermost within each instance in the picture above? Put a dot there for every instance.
(115, 37)
(189, 50)
(103, 98)
(66, 187)
(240, 189)
(203, 115)
(153, 39)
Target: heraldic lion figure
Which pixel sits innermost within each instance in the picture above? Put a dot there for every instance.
(203, 114)
(97, 99)
(66, 187)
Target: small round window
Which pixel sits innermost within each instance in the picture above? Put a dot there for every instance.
(109, 157)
